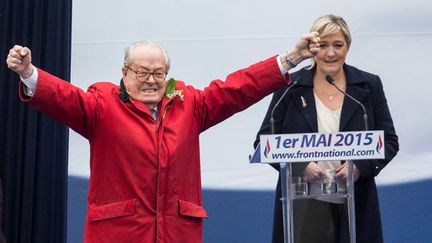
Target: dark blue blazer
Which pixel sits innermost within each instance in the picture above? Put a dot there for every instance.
(292, 117)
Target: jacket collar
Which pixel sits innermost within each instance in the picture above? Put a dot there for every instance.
(125, 98)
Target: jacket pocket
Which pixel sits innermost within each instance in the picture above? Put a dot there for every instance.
(191, 209)
(112, 210)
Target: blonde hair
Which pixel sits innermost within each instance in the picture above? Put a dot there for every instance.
(329, 24)
(128, 52)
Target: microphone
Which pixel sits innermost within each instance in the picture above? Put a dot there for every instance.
(272, 125)
(365, 117)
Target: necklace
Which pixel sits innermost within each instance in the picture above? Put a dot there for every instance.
(329, 96)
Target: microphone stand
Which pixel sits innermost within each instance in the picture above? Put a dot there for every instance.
(284, 171)
(272, 124)
(365, 116)
(350, 181)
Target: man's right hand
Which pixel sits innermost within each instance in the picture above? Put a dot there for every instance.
(19, 61)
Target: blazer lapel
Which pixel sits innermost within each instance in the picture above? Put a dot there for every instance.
(305, 102)
(304, 99)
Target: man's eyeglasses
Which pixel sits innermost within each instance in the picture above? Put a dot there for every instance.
(142, 76)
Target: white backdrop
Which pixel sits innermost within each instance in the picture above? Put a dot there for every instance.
(209, 39)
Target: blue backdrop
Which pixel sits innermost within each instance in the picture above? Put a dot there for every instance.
(246, 215)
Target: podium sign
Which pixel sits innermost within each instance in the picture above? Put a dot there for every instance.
(305, 147)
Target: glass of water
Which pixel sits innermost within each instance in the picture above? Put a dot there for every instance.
(300, 186)
(329, 186)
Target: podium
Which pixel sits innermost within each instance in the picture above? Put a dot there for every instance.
(286, 149)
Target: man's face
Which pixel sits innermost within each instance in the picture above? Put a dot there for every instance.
(145, 60)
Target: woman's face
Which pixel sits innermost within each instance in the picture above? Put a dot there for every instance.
(332, 54)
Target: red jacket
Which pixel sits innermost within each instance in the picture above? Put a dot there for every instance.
(145, 183)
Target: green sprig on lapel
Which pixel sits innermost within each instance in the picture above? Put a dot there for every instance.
(170, 90)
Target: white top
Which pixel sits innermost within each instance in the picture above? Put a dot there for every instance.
(328, 122)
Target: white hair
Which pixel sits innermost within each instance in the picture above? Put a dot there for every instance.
(131, 48)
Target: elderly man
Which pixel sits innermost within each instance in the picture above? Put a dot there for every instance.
(145, 183)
